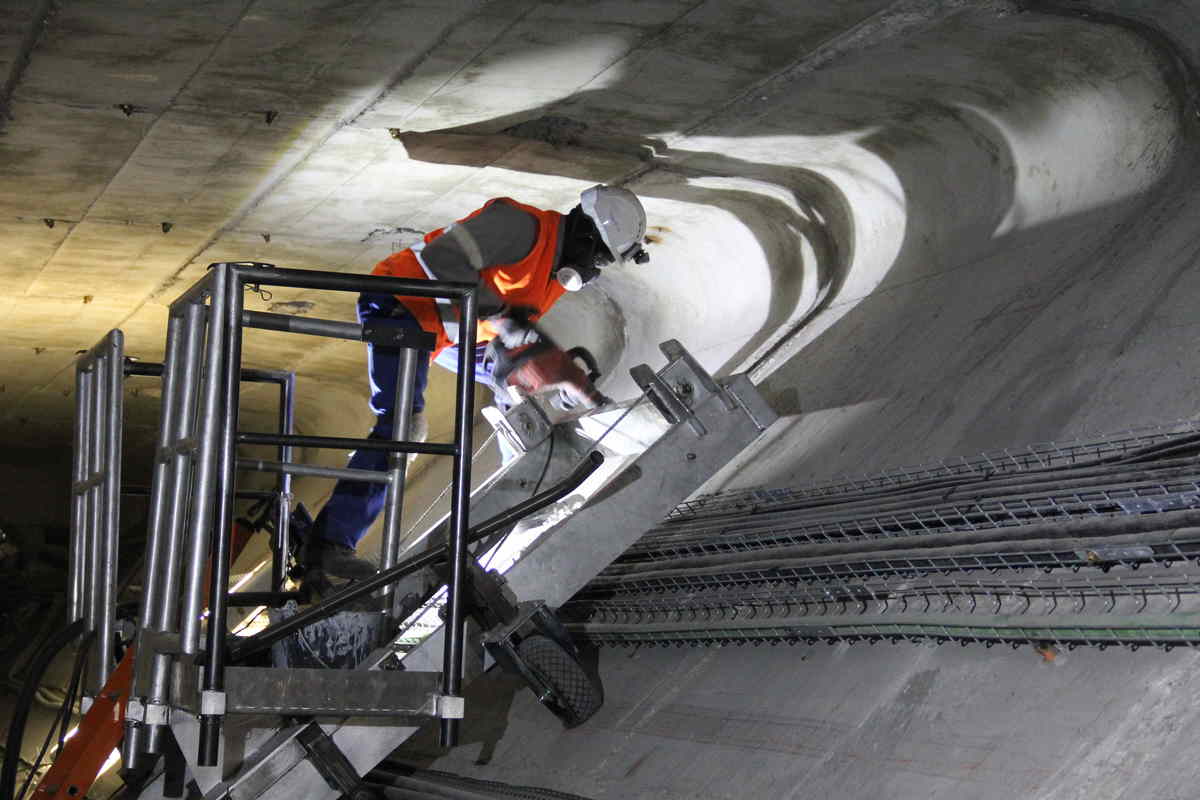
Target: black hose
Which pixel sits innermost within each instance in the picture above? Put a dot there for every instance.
(338, 600)
(16, 726)
(62, 717)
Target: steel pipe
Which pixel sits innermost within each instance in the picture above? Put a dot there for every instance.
(95, 546)
(460, 506)
(204, 484)
(155, 532)
(150, 369)
(111, 380)
(314, 471)
(151, 687)
(218, 624)
(289, 323)
(183, 427)
(197, 292)
(340, 443)
(343, 282)
(78, 474)
(242, 494)
(283, 517)
(389, 549)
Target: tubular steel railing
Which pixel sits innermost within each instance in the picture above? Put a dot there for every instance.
(194, 484)
(97, 490)
(95, 500)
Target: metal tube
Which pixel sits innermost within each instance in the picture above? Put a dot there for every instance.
(283, 519)
(340, 443)
(314, 471)
(218, 603)
(150, 369)
(202, 507)
(78, 474)
(95, 506)
(460, 506)
(290, 323)
(349, 282)
(87, 574)
(111, 379)
(156, 589)
(183, 427)
(151, 590)
(389, 548)
(242, 494)
(178, 478)
(197, 291)
(273, 599)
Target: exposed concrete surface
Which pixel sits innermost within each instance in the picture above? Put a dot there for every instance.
(1021, 279)
(929, 228)
(898, 722)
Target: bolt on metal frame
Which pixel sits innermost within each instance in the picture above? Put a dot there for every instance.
(194, 485)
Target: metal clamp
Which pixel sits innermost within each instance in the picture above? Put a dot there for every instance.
(212, 703)
(156, 714)
(390, 333)
(135, 710)
(524, 426)
(447, 706)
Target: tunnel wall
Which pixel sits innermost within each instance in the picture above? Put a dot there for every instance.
(1020, 269)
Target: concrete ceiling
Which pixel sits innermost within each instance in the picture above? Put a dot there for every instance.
(143, 141)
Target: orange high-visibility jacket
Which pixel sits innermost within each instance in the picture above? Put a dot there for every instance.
(528, 283)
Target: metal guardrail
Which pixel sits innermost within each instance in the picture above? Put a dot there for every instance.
(194, 484)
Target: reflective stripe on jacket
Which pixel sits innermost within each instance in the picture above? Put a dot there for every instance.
(528, 283)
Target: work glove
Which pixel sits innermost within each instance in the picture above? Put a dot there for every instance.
(514, 327)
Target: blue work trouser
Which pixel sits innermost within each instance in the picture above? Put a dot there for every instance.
(354, 505)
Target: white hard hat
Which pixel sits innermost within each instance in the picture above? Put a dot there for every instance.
(619, 218)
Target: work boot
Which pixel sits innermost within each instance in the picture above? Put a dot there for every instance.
(336, 560)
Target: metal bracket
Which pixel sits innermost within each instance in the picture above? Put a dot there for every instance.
(524, 426)
(156, 714)
(448, 706)
(390, 333)
(212, 703)
(308, 692)
(681, 386)
(135, 710)
(328, 759)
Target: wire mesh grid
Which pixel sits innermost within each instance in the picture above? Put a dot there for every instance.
(1158, 550)
(750, 534)
(1008, 460)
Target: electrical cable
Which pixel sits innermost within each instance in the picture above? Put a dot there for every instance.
(16, 727)
(545, 467)
(72, 694)
(63, 717)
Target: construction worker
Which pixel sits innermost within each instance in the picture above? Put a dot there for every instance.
(523, 259)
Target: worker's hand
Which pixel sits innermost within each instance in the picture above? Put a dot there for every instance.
(513, 328)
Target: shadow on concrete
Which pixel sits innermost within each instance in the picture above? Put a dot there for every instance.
(490, 698)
